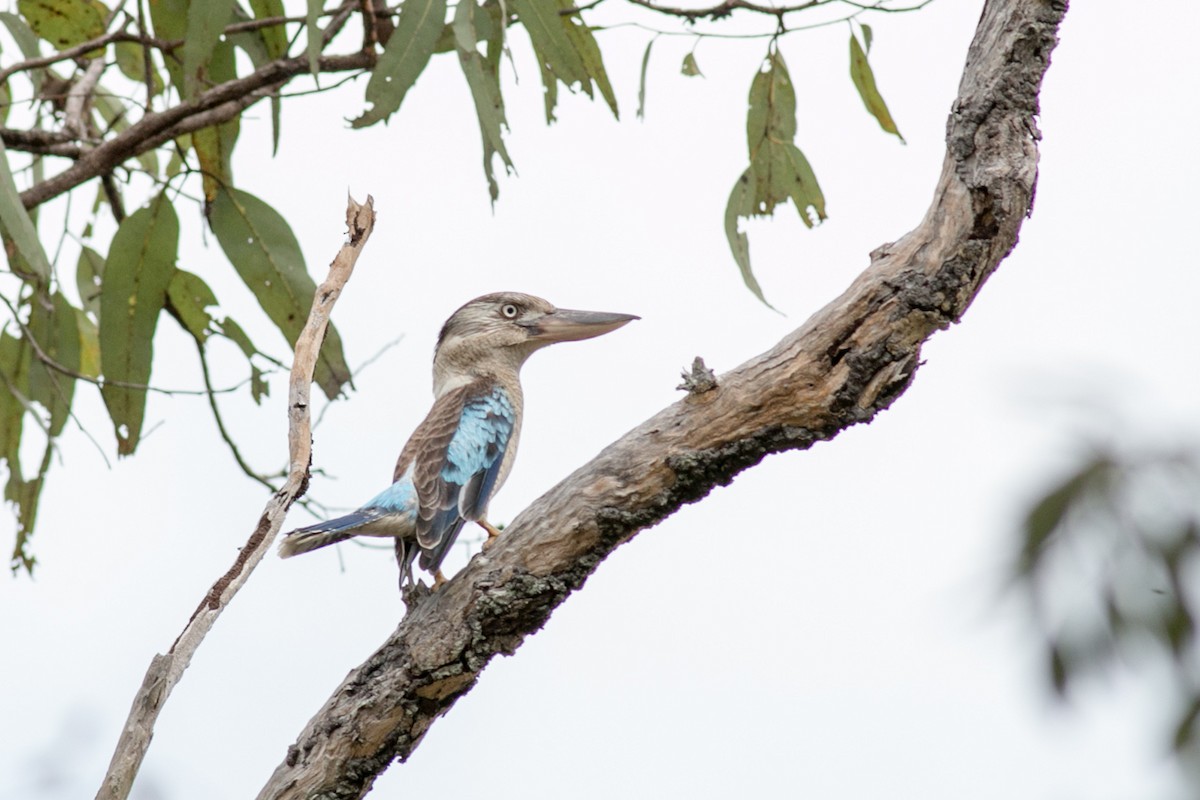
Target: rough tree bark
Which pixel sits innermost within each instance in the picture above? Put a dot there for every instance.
(848, 362)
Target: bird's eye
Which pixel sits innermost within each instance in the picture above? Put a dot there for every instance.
(509, 311)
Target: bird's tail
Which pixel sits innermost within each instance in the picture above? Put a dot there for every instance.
(323, 534)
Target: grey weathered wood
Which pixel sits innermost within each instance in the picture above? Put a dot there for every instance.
(165, 671)
(844, 365)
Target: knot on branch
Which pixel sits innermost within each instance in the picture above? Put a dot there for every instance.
(700, 380)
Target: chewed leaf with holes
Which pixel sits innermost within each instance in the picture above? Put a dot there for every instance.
(139, 267)
(264, 251)
(64, 23)
(404, 59)
(778, 170)
(864, 81)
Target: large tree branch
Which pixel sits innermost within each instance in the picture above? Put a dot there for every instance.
(844, 365)
(166, 670)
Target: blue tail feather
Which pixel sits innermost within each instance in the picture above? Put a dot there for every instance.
(323, 534)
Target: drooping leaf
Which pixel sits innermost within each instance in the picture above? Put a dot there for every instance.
(778, 169)
(53, 325)
(312, 29)
(275, 37)
(89, 345)
(89, 273)
(18, 226)
(641, 110)
(234, 333)
(1046, 518)
(864, 82)
(549, 92)
(263, 249)
(407, 52)
(252, 44)
(64, 23)
(131, 60)
(690, 67)
(188, 296)
(14, 393)
(259, 388)
(483, 78)
(585, 44)
(741, 206)
(214, 145)
(169, 21)
(868, 35)
(205, 22)
(137, 272)
(26, 495)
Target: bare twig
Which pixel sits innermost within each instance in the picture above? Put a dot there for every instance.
(166, 670)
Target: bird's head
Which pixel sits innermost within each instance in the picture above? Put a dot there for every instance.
(497, 332)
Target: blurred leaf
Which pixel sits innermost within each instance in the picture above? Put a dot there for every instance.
(690, 67)
(19, 226)
(205, 22)
(864, 81)
(778, 170)
(89, 345)
(89, 273)
(64, 23)
(258, 385)
(313, 31)
(483, 77)
(263, 249)
(27, 495)
(5, 103)
(1185, 729)
(14, 388)
(53, 325)
(253, 45)
(1048, 514)
(868, 35)
(139, 268)
(234, 333)
(641, 110)
(549, 92)
(566, 49)
(169, 20)
(1060, 669)
(131, 60)
(188, 295)
(404, 58)
(27, 41)
(214, 145)
(274, 38)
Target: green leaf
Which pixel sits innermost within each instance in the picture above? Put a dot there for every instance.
(64, 23)
(868, 35)
(549, 92)
(554, 47)
(53, 325)
(314, 33)
(263, 249)
(864, 82)
(169, 21)
(1047, 516)
(274, 38)
(690, 67)
(214, 145)
(187, 297)
(404, 58)
(131, 60)
(18, 225)
(89, 344)
(483, 78)
(589, 51)
(27, 41)
(205, 23)
(253, 46)
(741, 206)
(14, 391)
(778, 170)
(259, 388)
(641, 109)
(139, 268)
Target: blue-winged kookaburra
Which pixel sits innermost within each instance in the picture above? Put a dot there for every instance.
(458, 457)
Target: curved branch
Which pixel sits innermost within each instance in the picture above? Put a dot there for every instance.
(848, 362)
(166, 670)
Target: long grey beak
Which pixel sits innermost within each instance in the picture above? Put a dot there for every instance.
(569, 325)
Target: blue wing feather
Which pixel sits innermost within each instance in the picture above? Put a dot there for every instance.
(470, 469)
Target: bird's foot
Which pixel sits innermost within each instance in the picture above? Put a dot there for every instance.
(492, 532)
(438, 580)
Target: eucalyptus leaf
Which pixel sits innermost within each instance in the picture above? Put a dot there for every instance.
(407, 52)
(18, 225)
(864, 81)
(264, 251)
(275, 37)
(312, 29)
(483, 78)
(53, 325)
(690, 67)
(205, 23)
(65, 23)
(188, 296)
(214, 145)
(641, 109)
(137, 272)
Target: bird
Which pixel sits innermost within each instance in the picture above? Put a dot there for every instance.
(460, 455)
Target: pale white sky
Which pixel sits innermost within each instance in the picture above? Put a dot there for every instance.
(829, 625)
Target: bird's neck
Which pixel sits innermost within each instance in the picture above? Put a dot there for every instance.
(447, 379)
